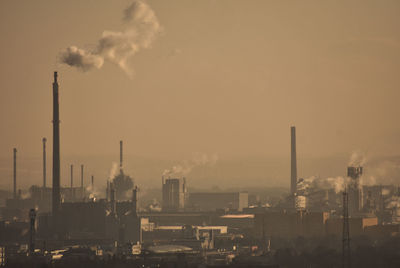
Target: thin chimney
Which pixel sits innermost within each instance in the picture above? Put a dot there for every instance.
(293, 170)
(72, 176)
(120, 154)
(56, 152)
(44, 162)
(82, 177)
(134, 199)
(92, 182)
(15, 173)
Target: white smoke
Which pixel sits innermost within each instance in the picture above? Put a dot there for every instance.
(357, 159)
(141, 28)
(316, 183)
(184, 168)
(113, 170)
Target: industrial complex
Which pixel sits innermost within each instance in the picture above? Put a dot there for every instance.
(57, 225)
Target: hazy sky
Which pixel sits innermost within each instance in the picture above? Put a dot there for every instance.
(225, 77)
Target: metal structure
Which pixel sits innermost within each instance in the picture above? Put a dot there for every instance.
(56, 198)
(346, 232)
(120, 154)
(32, 231)
(293, 164)
(44, 162)
(15, 173)
(82, 177)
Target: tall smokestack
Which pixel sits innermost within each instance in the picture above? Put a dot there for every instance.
(72, 176)
(120, 154)
(92, 182)
(56, 152)
(293, 169)
(15, 173)
(82, 177)
(44, 162)
(32, 231)
(134, 200)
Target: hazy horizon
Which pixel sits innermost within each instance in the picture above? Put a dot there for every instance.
(225, 78)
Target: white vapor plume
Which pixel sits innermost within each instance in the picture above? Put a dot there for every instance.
(357, 159)
(199, 159)
(141, 28)
(316, 183)
(113, 171)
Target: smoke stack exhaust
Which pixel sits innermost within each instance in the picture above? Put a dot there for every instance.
(56, 152)
(293, 166)
(15, 173)
(44, 162)
(120, 154)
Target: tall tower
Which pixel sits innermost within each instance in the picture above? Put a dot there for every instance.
(346, 232)
(56, 152)
(15, 173)
(72, 176)
(82, 178)
(354, 190)
(120, 155)
(44, 162)
(293, 161)
(32, 231)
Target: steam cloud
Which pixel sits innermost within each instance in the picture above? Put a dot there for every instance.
(316, 183)
(186, 167)
(113, 171)
(357, 159)
(141, 28)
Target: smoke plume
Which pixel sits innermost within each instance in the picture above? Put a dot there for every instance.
(316, 183)
(199, 159)
(357, 159)
(113, 171)
(141, 27)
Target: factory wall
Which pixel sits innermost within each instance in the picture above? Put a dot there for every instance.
(213, 201)
(356, 225)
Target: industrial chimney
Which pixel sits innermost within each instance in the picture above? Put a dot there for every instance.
(44, 162)
(32, 231)
(92, 182)
(15, 173)
(56, 152)
(120, 155)
(72, 177)
(293, 166)
(82, 178)
(134, 200)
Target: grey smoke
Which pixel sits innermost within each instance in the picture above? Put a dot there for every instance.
(141, 27)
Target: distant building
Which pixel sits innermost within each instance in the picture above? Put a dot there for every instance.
(214, 201)
(174, 194)
(354, 190)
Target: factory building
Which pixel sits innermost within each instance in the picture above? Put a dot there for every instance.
(122, 182)
(235, 201)
(354, 190)
(290, 224)
(174, 194)
(334, 226)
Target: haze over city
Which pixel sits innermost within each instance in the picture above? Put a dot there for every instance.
(270, 98)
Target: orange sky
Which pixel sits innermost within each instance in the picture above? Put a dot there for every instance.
(225, 77)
